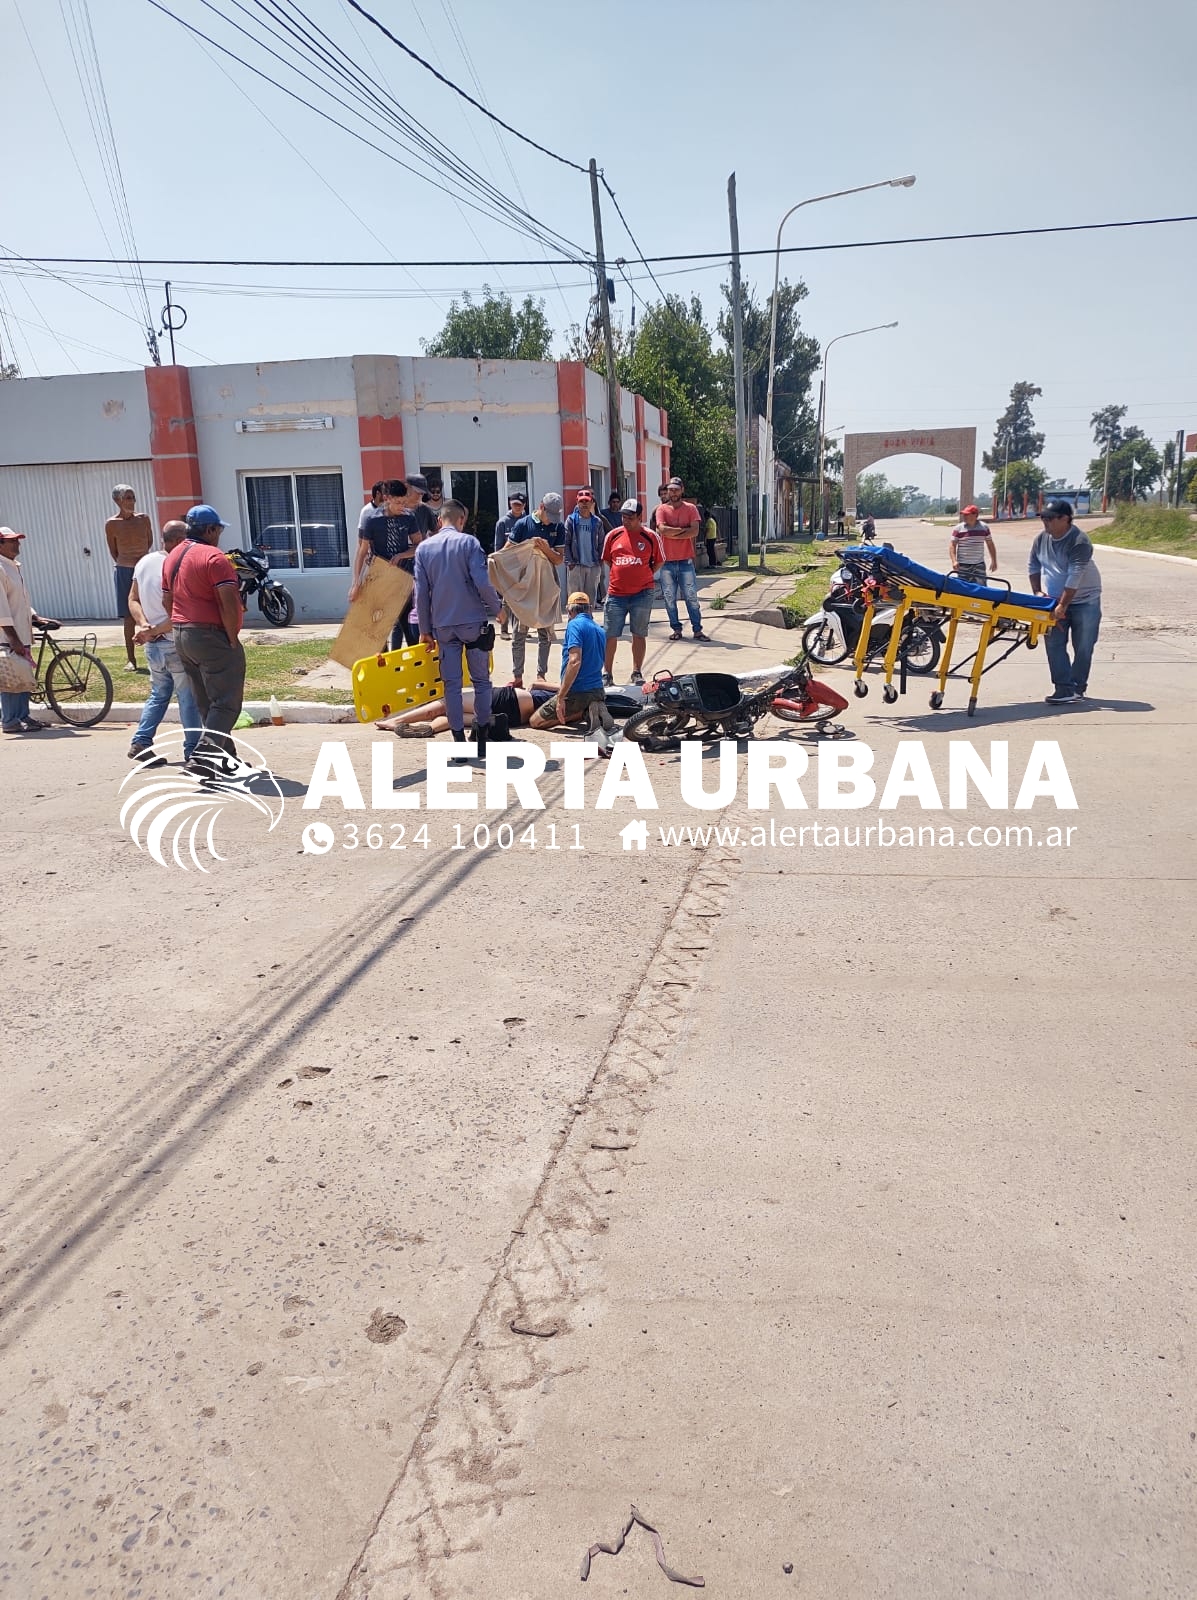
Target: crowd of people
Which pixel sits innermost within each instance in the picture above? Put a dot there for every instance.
(182, 605)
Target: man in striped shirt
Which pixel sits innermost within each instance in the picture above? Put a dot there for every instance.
(969, 542)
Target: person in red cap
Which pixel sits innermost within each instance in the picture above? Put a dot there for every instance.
(969, 541)
(17, 622)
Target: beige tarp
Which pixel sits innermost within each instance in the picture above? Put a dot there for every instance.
(527, 580)
(370, 618)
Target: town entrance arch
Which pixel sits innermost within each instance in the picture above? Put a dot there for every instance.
(957, 445)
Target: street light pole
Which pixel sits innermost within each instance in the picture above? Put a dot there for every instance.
(855, 334)
(885, 183)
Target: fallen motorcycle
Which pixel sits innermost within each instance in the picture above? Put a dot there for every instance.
(717, 705)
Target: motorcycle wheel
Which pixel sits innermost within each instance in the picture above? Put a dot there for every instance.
(921, 650)
(821, 643)
(277, 606)
(654, 729)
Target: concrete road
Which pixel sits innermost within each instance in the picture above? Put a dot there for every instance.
(383, 1223)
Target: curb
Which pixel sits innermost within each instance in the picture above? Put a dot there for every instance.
(259, 710)
(1149, 555)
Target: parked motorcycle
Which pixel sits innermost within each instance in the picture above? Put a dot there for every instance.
(253, 577)
(716, 705)
(832, 634)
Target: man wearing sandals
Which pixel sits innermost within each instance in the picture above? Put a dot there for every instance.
(17, 622)
(678, 526)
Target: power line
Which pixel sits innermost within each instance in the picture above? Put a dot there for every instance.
(524, 261)
(628, 230)
(469, 99)
(415, 140)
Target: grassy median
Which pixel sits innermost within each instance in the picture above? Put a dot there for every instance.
(1147, 527)
(272, 668)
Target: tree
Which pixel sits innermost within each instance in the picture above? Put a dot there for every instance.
(1135, 468)
(1107, 426)
(494, 330)
(1022, 477)
(1015, 438)
(797, 362)
(674, 365)
(877, 496)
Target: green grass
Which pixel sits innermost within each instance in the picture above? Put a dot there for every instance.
(1146, 527)
(811, 589)
(271, 668)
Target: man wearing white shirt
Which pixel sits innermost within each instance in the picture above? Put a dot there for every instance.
(156, 632)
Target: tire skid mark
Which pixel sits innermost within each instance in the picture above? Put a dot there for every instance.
(466, 1461)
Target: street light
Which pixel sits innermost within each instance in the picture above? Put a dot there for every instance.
(855, 334)
(837, 194)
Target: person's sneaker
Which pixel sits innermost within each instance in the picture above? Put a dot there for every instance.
(637, 677)
(699, 634)
(415, 730)
(608, 680)
(144, 754)
(1062, 697)
(29, 725)
(676, 634)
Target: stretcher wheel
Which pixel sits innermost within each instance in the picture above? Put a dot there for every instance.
(860, 690)
(889, 694)
(936, 700)
(1032, 644)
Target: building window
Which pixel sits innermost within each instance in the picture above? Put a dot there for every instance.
(598, 486)
(298, 519)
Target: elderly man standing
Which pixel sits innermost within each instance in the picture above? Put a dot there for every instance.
(156, 632)
(1061, 565)
(585, 533)
(456, 605)
(17, 619)
(130, 536)
(199, 592)
(546, 529)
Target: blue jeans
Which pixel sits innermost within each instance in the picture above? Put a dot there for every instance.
(1081, 625)
(450, 645)
(166, 678)
(14, 708)
(635, 609)
(678, 577)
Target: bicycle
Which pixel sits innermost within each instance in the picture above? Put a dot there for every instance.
(72, 680)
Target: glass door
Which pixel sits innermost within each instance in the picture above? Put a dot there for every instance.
(478, 490)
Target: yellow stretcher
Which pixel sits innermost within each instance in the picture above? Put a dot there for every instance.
(1014, 619)
(398, 680)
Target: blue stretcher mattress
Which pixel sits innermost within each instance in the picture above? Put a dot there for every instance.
(896, 565)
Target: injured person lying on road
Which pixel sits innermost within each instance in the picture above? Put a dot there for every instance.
(425, 722)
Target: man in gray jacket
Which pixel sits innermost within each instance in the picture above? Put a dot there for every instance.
(1061, 565)
(456, 603)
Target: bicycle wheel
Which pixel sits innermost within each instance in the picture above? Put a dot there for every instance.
(79, 688)
(654, 729)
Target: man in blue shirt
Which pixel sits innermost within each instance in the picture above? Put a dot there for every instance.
(581, 692)
(545, 526)
(455, 604)
(585, 534)
(1061, 565)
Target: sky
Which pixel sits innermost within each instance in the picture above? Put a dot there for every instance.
(1028, 115)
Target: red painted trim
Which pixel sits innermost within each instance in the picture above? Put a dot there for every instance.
(666, 450)
(575, 449)
(173, 449)
(641, 452)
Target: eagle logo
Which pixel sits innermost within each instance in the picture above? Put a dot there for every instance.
(172, 814)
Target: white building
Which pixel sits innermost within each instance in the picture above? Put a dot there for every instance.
(287, 450)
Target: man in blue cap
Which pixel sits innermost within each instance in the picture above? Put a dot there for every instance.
(200, 593)
(1061, 565)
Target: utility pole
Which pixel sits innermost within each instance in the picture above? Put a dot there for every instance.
(1105, 482)
(608, 343)
(738, 373)
(1180, 461)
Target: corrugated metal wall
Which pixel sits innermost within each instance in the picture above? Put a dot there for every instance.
(63, 510)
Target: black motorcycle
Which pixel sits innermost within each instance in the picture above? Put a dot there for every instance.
(253, 577)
